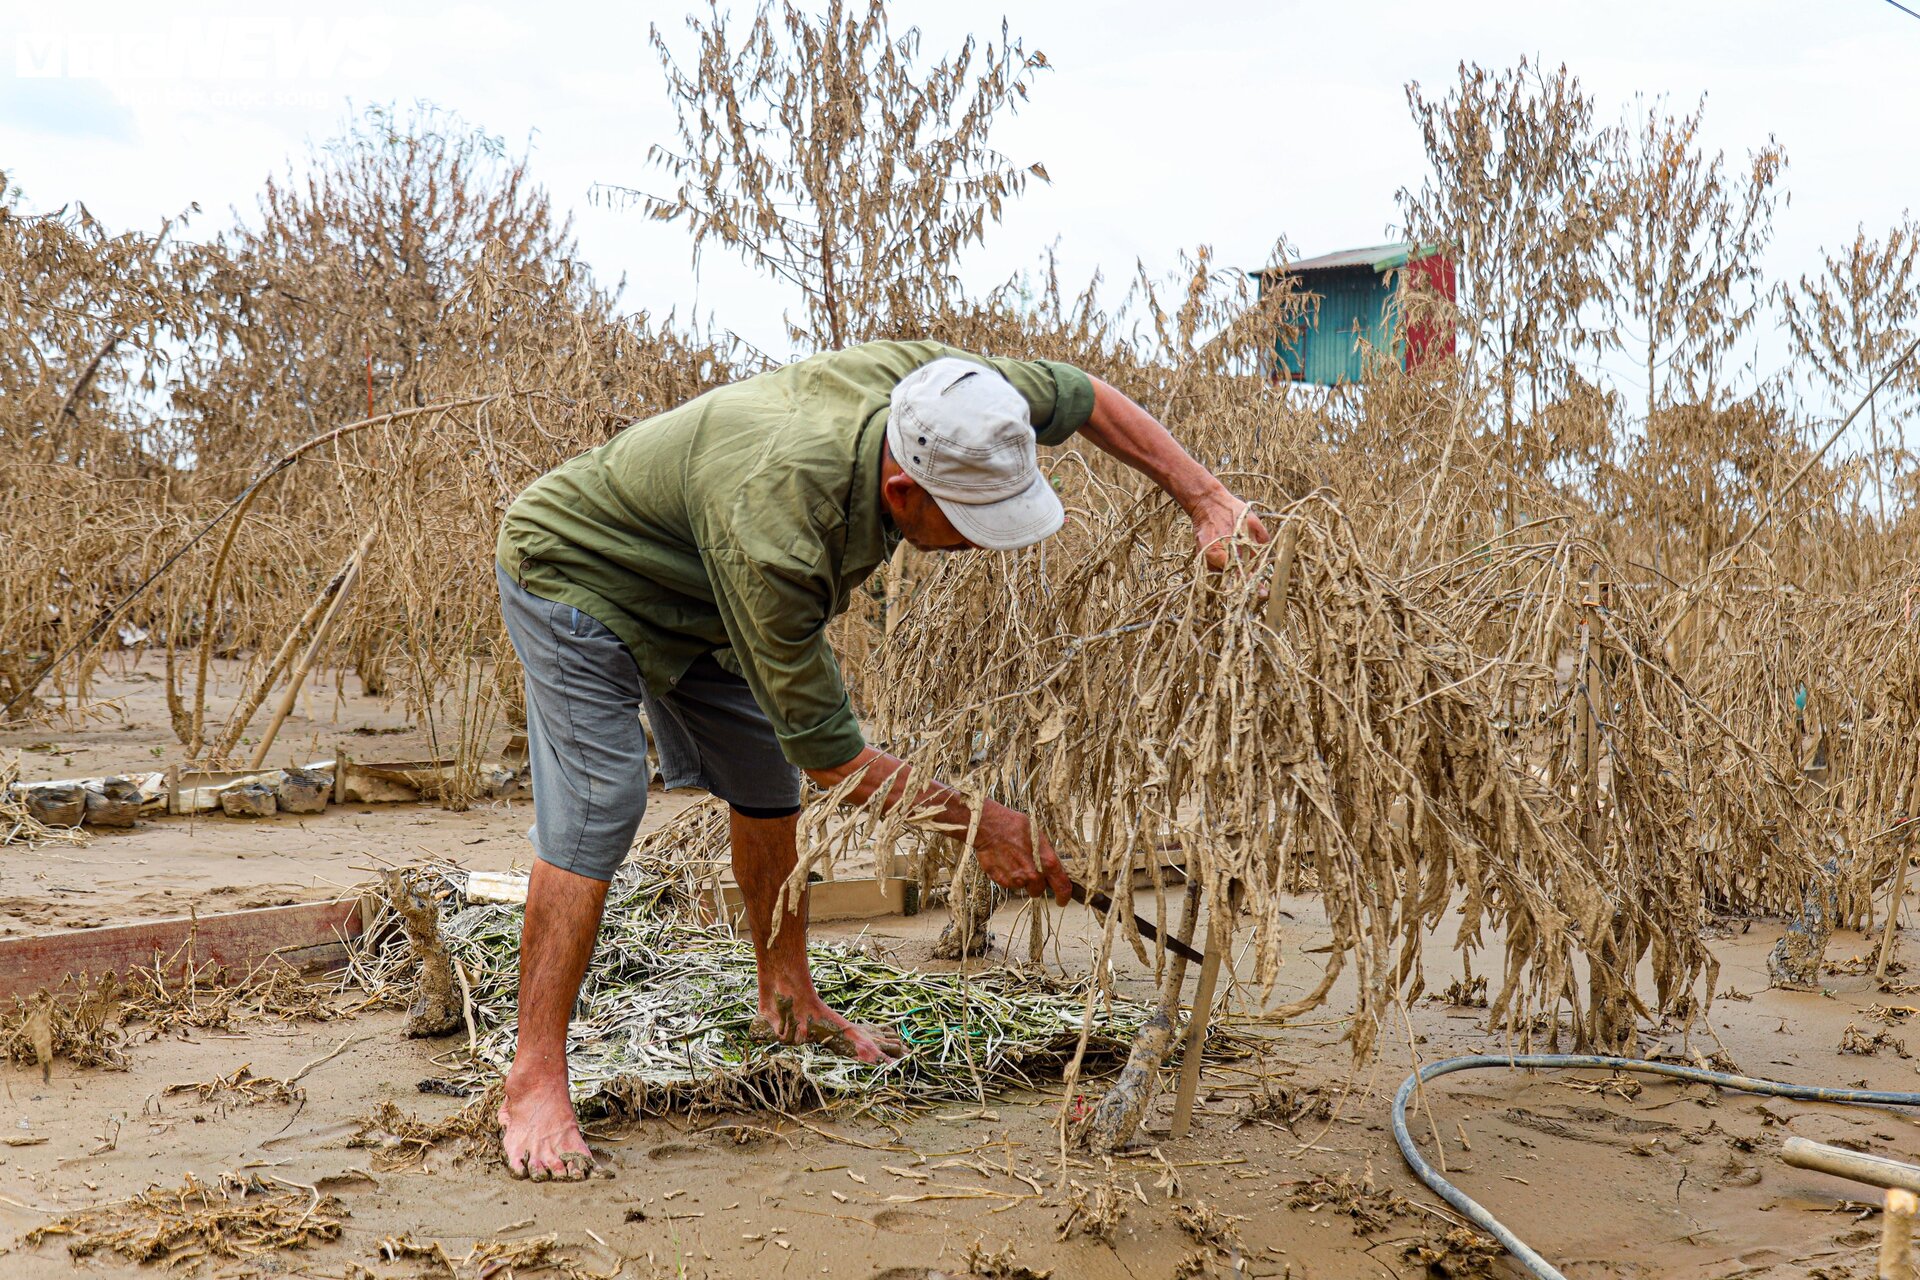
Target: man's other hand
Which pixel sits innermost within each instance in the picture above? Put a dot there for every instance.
(1005, 844)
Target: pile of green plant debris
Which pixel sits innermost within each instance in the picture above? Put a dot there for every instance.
(662, 1021)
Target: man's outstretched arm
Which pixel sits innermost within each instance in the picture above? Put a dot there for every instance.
(1131, 434)
(1012, 851)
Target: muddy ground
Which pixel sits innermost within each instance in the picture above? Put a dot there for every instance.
(1673, 1181)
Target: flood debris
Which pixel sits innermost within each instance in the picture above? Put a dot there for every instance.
(39, 815)
(497, 1257)
(254, 800)
(400, 1138)
(1459, 1254)
(1215, 1237)
(113, 802)
(1370, 1207)
(1855, 1040)
(82, 1022)
(982, 1263)
(1095, 1212)
(302, 791)
(973, 904)
(184, 1228)
(240, 1087)
(1796, 960)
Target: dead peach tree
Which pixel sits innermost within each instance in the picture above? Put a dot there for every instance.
(826, 154)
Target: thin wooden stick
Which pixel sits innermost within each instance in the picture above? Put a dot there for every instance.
(1219, 938)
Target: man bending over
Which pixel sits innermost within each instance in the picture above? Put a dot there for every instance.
(690, 566)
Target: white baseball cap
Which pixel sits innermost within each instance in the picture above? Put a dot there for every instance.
(963, 434)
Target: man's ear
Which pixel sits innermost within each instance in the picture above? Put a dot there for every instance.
(899, 489)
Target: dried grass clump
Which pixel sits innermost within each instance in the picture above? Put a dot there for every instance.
(982, 1263)
(90, 1021)
(1460, 1254)
(240, 1087)
(1866, 1044)
(83, 1022)
(1097, 1213)
(189, 1226)
(184, 991)
(400, 1138)
(1372, 1208)
(1216, 1240)
(488, 1258)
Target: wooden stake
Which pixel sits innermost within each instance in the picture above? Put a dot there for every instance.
(320, 633)
(1219, 939)
(1896, 1235)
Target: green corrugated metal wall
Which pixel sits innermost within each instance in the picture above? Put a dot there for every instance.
(1354, 302)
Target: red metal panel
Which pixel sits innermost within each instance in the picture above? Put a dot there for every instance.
(1429, 338)
(306, 934)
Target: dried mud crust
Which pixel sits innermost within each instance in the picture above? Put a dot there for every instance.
(940, 1179)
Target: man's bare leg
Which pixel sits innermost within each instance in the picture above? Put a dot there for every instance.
(764, 854)
(539, 1130)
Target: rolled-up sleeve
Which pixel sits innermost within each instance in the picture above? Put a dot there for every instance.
(776, 621)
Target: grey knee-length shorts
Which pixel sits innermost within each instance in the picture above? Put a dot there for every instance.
(587, 747)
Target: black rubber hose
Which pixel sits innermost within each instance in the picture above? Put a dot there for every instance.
(1460, 1200)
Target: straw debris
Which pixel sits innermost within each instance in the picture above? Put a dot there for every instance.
(493, 1258)
(194, 1224)
(1371, 1207)
(240, 1087)
(84, 1022)
(1854, 1040)
(1460, 1254)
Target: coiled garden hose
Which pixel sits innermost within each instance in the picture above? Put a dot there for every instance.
(1460, 1200)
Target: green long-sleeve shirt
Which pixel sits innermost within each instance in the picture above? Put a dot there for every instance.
(740, 522)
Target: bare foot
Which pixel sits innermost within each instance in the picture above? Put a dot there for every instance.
(807, 1020)
(541, 1134)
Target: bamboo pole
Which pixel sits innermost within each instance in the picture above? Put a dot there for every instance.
(1858, 1166)
(314, 646)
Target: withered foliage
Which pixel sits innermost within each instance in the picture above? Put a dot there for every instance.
(1558, 666)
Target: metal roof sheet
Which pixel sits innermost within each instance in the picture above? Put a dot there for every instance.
(1380, 257)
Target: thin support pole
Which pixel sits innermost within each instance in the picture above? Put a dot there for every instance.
(1219, 939)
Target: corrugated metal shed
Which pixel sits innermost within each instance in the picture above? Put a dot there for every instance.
(1357, 292)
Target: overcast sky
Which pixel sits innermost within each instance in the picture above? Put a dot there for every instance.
(1163, 126)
